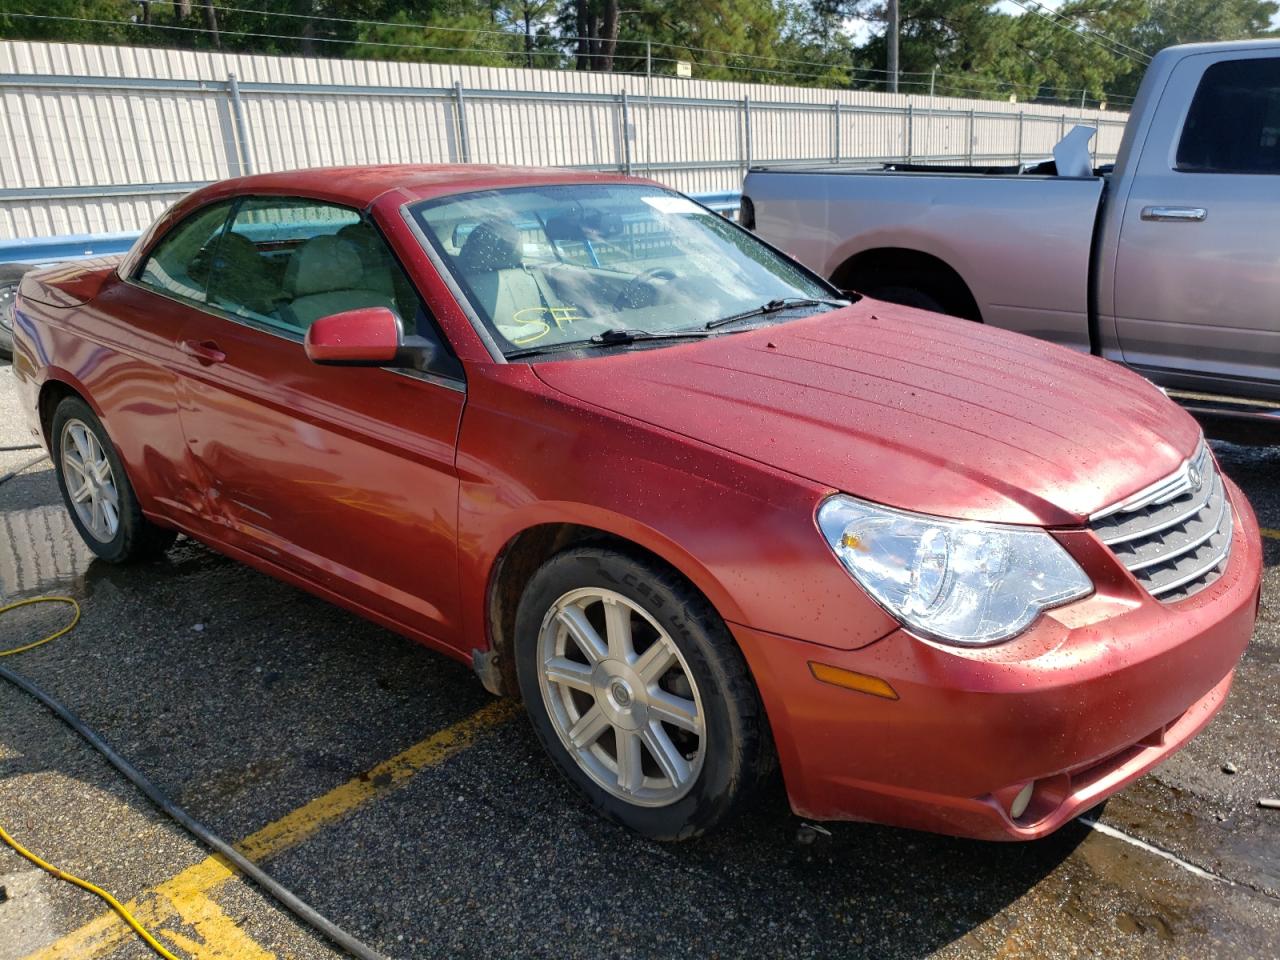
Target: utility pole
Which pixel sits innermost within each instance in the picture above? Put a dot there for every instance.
(891, 41)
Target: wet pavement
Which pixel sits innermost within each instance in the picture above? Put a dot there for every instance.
(246, 700)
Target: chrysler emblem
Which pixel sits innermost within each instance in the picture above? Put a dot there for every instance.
(1193, 475)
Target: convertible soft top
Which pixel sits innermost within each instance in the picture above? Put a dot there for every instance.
(359, 186)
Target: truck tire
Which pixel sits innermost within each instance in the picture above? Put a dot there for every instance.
(910, 278)
(636, 689)
(935, 291)
(10, 276)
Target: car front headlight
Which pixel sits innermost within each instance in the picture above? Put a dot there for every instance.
(956, 581)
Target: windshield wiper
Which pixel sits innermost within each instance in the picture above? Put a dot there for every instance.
(774, 306)
(610, 338)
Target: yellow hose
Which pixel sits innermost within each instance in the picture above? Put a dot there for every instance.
(111, 901)
(22, 851)
(53, 636)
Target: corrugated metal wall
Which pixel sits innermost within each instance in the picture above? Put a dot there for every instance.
(101, 138)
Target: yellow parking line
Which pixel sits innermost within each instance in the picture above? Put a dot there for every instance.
(1273, 534)
(181, 905)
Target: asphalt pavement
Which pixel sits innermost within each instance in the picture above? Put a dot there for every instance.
(381, 783)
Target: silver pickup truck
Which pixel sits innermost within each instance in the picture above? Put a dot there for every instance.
(1167, 261)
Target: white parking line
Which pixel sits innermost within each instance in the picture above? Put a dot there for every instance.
(1164, 854)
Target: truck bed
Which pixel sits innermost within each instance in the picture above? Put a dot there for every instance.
(1022, 241)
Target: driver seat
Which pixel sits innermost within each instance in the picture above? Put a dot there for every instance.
(515, 301)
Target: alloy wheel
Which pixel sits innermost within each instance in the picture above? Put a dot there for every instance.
(621, 697)
(91, 484)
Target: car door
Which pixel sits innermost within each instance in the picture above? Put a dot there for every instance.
(344, 476)
(1197, 279)
(142, 315)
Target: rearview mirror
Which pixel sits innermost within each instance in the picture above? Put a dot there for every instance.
(366, 337)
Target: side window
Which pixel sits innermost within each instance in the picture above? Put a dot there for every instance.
(179, 264)
(1233, 125)
(284, 263)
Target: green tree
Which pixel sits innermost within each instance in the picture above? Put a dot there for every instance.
(71, 21)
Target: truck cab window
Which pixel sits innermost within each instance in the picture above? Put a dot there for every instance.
(1233, 125)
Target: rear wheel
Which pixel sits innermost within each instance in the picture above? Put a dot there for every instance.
(638, 693)
(97, 491)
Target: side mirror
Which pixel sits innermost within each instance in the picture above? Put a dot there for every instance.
(366, 337)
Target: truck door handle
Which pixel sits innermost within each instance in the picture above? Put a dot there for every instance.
(1182, 214)
(205, 351)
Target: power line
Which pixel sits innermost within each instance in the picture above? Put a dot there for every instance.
(1139, 54)
(1112, 47)
(420, 46)
(510, 34)
(794, 74)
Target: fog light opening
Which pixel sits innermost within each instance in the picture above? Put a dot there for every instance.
(1021, 801)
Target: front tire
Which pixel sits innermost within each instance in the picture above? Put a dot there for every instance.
(97, 491)
(638, 692)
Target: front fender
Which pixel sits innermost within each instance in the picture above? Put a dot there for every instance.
(743, 533)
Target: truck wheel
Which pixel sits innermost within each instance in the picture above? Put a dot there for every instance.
(96, 490)
(915, 281)
(909, 297)
(10, 276)
(638, 692)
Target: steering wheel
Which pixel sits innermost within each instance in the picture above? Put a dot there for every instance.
(628, 297)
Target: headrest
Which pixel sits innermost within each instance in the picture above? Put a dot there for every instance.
(371, 250)
(235, 252)
(564, 229)
(491, 246)
(324, 264)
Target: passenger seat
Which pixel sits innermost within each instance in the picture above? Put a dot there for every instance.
(324, 276)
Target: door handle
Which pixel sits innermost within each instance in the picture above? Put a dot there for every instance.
(205, 351)
(1175, 214)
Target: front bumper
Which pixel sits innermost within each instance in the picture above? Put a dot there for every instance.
(1089, 699)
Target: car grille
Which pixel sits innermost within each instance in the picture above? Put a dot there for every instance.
(1175, 535)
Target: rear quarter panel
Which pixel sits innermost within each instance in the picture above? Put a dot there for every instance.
(1021, 243)
(111, 343)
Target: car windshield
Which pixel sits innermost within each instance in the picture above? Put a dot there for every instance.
(546, 266)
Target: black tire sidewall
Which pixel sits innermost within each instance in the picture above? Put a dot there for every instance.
(909, 296)
(711, 656)
(124, 544)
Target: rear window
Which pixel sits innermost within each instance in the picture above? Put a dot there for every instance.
(1234, 122)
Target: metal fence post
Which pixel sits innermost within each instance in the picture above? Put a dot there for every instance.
(242, 132)
(626, 134)
(1020, 118)
(835, 132)
(464, 138)
(969, 139)
(911, 131)
(746, 135)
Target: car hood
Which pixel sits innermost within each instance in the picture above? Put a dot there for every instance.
(906, 408)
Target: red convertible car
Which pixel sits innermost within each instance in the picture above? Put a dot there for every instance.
(705, 514)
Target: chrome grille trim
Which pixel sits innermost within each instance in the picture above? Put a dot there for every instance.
(1174, 535)
(1208, 568)
(1161, 524)
(1186, 547)
(1162, 491)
